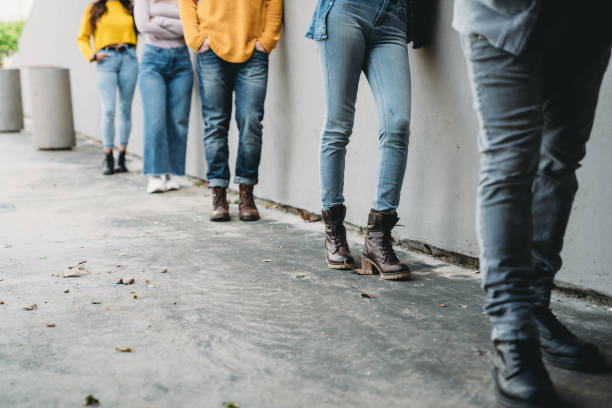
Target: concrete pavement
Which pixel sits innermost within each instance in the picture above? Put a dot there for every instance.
(246, 313)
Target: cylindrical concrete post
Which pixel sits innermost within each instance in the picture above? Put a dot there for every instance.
(11, 107)
(53, 124)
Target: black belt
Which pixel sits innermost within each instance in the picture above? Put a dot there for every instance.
(121, 48)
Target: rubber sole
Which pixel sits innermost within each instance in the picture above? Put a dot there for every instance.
(369, 267)
(338, 266)
(574, 365)
(220, 219)
(248, 219)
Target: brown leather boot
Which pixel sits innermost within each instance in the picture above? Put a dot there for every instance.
(377, 254)
(220, 210)
(337, 252)
(247, 207)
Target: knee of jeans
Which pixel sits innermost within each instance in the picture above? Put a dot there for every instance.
(336, 134)
(108, 113)
(508, 165)
(397, 130)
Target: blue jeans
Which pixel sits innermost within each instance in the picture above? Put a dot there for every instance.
(166, 84)
(368, 36)
(218, 80)
(536, 112)
(118, 71)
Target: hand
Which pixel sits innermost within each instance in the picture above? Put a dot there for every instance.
(260, 47)
(101, 56)
(204, 47)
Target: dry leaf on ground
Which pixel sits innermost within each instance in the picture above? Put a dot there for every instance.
(124, 350)
(231, 404)
(267, 260)
(76, 271)
(96, 302)
(126, 281)
(147, 281)
(90, 400)
(50, 324)
(367, 295)
(31, 307)
(164, 270)
(442, 305)
(300, 276)
(310, 217)
(1, 302)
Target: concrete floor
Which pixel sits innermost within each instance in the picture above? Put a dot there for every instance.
(247, 312)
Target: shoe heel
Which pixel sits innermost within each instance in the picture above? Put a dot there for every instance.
(367, 267)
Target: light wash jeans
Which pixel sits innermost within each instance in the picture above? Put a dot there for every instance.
(218, 80)
(118, 71)
(536, 112)
(166, 83)
(368, 36)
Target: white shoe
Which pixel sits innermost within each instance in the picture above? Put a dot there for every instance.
(182, 181)
(171, 184)
(156, 185)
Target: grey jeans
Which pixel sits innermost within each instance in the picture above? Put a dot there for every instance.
(536, 112)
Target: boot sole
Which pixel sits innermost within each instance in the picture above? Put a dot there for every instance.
(508, 402)
(220, 219)
(572, 364)
(249, 218)
(338, 266)
(368, 267)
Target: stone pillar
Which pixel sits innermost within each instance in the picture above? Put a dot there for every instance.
(11, 107)
(53, 125)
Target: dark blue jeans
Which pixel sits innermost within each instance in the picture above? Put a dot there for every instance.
(218, 80)
(166, 84)
(536, 112)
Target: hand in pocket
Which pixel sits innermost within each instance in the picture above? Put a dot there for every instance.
(204, 47)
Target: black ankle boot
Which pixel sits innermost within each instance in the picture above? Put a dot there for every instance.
(109, 164)
(377, 254)
(561, 348)
(337, 252)
(121, 163)
(521, 381)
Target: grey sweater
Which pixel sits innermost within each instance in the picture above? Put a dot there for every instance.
(160, 23)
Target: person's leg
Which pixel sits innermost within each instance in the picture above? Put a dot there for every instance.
(388, 73)
(107, 81)
(251, 85)
(128, 76)
(179, 103)
(571, 92)
(507, 92)
(153, 92)
(342, 57)
(216, 85)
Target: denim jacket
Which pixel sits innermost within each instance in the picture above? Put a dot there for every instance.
(419, 21)
(506, 24)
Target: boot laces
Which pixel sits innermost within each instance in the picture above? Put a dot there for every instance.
(338, 235)
(386, 248)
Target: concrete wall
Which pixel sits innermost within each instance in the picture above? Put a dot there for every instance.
(438, 198)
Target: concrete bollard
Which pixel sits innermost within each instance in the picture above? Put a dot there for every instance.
(11, 106)
(53, 124)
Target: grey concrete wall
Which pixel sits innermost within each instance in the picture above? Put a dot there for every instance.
(438, 198)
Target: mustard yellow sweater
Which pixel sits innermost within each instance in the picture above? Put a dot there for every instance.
(232, 26)
(116, 26)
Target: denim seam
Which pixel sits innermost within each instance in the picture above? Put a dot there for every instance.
(385, 126)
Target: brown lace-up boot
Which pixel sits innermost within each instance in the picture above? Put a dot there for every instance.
(247, 207)
(220, 210)
(377, 254)
(337, 252)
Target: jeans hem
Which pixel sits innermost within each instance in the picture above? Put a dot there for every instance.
(218, 183)
(244, 180)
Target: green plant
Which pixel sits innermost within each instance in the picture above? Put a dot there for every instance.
(9, 38)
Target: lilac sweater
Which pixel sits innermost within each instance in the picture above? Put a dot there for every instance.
(160, 22)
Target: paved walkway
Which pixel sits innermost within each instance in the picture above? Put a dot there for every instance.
(247, 312)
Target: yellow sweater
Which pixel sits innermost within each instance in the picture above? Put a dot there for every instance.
(116, 26)
(232, 26)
